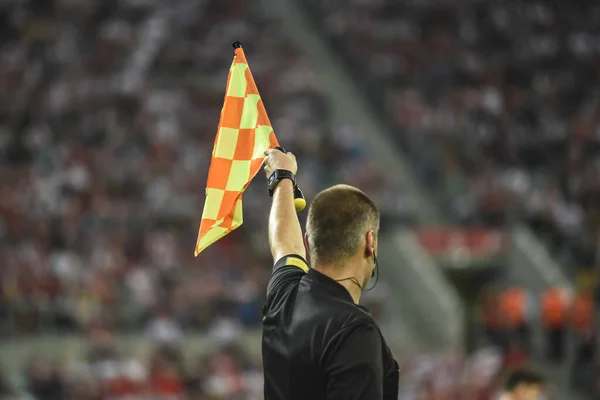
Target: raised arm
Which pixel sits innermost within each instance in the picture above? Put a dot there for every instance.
(285, 233)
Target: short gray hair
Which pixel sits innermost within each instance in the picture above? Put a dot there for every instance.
(338, 219)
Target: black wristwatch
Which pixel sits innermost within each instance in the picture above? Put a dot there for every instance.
(277, 176)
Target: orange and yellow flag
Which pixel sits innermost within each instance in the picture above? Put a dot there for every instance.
(244, 133)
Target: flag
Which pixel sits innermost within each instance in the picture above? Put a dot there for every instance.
(244, 133)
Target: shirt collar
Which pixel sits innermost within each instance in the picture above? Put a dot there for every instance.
(330, 284)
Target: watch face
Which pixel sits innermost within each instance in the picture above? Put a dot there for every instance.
(272, 180)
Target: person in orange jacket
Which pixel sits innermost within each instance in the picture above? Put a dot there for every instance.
(555, 305)
(514, 309)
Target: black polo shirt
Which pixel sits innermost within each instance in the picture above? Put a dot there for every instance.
(318, 344)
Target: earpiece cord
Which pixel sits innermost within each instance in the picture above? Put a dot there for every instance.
(355, 281)
(351, 279)
(376, 270)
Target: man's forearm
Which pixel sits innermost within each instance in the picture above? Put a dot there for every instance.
(285, 233)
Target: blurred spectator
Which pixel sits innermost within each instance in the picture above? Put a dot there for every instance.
(482, 370)
(582, 323)
(165, 381)
(516, 307)
(523, 384)
(555, 304)
(45, 381)
(164, 329)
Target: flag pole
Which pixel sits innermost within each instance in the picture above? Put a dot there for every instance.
(299, 200)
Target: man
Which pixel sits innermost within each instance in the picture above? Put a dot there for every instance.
(522, 385)
(317, 342)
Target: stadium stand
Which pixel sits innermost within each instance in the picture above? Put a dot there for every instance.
(108, 115)
(103, 177)
(109, 111)
(495, 101)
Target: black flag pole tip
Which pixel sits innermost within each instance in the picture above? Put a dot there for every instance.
(236, 45)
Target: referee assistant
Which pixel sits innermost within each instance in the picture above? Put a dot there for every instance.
(318, 343)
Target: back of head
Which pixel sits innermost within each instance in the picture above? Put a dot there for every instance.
(338, 220)
(524, 384)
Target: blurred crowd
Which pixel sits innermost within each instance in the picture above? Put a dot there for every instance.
(229, 372)
(105, 373)
(496, 101)
(109, 110)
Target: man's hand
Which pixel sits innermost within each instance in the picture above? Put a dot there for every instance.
(277, 159)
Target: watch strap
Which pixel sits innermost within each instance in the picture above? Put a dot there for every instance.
(279, 175)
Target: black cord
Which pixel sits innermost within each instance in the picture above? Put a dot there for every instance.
(351, 279)
(355, 281)
(376, 271)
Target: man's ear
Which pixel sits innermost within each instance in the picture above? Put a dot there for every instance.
(307, 247)
(370, 243)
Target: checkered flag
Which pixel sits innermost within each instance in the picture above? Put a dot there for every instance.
(244, 133)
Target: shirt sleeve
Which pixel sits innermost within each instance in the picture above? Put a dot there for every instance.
(288, 269)
(354, 369)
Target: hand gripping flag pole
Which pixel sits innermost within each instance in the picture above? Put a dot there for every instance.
(243, 134)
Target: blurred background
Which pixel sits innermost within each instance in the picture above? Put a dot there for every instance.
(474, 124)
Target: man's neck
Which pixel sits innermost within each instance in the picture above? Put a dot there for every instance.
(341, 275)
